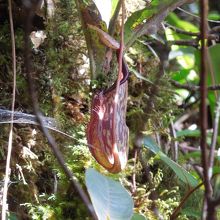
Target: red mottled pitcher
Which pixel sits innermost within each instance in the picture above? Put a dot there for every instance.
(107, 132)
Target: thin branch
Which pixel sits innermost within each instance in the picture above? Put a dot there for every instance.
(215, 30)
(134, 185)
(7, 168)
(180, 31)
(196, 16)
(185, 198)
(213, 33)
(30, 13)
(191, 43)
(175, 143)
(214, 135)
(193, 88)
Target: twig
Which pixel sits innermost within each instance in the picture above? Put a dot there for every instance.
(191, 43)
(7, 168)
(196, 16)
(175, 143)
(213, 33)
(30, 13)
(185, 198)
(215, 30)
(180, 31)
(214, 135)
(134, 185)
(188, 194)
(193, 88)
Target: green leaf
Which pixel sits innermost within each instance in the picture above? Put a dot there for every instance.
(188, 133)
(214, 16)
(139, 76)
(134, 20)
(185, 176)
(139, 16)
(137, 216)
(109, 198)
(114, 5)
(174, 20)
(181, 75)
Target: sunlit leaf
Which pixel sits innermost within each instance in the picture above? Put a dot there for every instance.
(185, 176)
(181, 75)
(138, 17)
(214, 16)
(139, 76)
(188, 133)
(174, 20)
(114, 5)
(110, 199)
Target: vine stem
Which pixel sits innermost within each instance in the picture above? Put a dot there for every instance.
(121, 50)
(208, 211)
(8, 160)
(120, 57)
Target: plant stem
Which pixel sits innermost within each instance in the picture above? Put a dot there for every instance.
(8, 160)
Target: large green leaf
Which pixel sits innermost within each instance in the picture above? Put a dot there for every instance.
(109, 198)
(185, 176)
